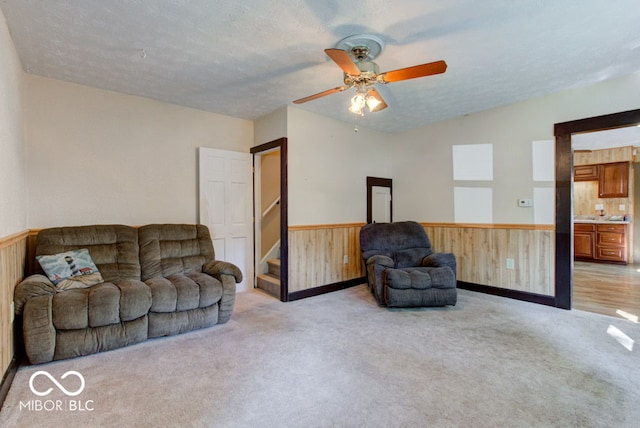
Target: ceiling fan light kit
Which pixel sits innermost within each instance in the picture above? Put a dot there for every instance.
(366, 97)
(355, 55)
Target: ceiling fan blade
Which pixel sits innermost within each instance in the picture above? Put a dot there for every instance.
(413, 72)
(321, 94)
(375, 94)
(344, 61)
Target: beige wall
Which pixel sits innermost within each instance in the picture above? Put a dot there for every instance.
(13, 207)
(328, 166)
(96, 156)
(270, 127)
(422, 158)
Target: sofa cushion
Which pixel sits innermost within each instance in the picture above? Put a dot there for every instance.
(71, 269)
(188, 292)
(113, 248)
(103, 304)
(169, 249)
(70, 310)
(135, 299)
(184, 292)
(164, 295)
(210, 288)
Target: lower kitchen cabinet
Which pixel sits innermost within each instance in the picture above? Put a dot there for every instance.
(584, 240)
(611, 242)
(600, 242)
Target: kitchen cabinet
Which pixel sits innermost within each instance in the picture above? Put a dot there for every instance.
(611, 242)
(585, 173)
(584, 240)
(605, 243)
(613, 180)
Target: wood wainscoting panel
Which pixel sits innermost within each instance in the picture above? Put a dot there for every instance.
(317, 255)
(13, 253)
(482, 252)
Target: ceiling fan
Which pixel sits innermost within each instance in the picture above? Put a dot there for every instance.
(355, 55)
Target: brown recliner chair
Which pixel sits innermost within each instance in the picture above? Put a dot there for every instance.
(403, 270)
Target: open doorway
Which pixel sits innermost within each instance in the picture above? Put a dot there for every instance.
(270, 218)
(606, 279)
(564, 270)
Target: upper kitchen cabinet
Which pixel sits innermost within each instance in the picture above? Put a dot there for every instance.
(613, 180)
(585, 173)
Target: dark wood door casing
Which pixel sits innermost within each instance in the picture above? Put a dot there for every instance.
(564, 189)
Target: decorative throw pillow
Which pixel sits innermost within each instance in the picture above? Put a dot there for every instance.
(71, 269)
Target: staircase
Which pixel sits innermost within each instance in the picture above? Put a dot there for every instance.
(270, 281)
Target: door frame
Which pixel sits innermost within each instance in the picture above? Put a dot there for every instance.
(378, 182)
(564, 193)
(280, 143)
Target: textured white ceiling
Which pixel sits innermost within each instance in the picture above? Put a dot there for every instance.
(248, 58)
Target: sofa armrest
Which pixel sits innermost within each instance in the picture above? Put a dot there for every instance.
(384, 261)
(441, 259)
(218, 267)
(32, 286)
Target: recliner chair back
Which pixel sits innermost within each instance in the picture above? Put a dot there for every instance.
(406, 243)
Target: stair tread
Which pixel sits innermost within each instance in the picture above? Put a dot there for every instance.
(269, 277)
(274, 261)
(269, 283)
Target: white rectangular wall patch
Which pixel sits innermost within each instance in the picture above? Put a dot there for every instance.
(544, 160)
(544, 203)
(473, 162)
(473, 204)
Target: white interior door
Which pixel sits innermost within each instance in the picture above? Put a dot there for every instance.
(225, 187)
(381, 204)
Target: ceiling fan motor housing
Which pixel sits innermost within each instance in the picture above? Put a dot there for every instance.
(368, 67)
(368, 73)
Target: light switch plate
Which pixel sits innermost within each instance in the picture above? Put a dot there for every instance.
(525, 202)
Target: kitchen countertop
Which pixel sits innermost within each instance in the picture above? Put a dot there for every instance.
(601, 221)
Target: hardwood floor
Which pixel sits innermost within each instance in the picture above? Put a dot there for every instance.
(607, 289)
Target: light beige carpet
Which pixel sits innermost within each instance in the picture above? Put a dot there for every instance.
(339, 360)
